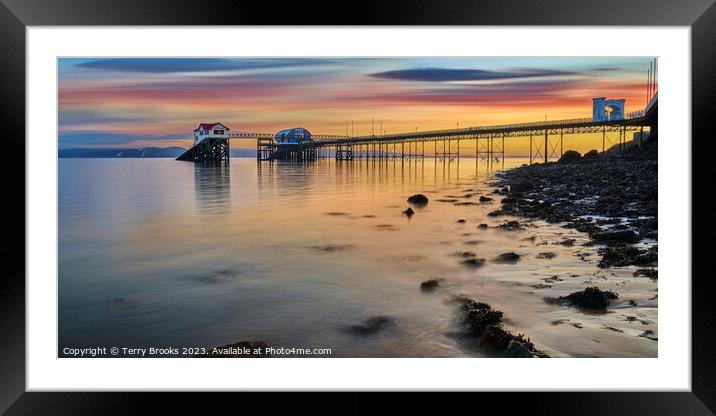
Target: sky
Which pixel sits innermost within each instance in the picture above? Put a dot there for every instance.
(141, 102)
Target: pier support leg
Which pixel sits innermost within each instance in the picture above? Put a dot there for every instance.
(641, 134)
(530, 148)
(488, 150)
(604, 138)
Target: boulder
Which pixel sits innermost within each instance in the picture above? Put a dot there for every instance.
(480, 321)
(520, 187)
(418, 199)
(591, 299)
(511, 226)
(429, 285)
(567, 242)
(516, 349)
(510, 257)
(409, 212)
(484, 198)
(627, 256)
(615, 237)
(591, 154)
(474, 262)
(570, 156)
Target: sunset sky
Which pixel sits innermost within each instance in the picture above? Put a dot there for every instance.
(138, 102)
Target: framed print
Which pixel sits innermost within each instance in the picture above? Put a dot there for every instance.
(435, 198)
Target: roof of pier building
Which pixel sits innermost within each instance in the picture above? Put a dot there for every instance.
(209, 126)
(294, 134)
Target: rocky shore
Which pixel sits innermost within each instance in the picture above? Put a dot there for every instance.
(610, 196)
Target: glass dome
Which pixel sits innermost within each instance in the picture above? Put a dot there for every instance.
(293, 136)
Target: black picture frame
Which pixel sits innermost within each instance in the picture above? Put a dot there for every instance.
(16, 15)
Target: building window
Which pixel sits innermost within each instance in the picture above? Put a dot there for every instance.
(221, 132)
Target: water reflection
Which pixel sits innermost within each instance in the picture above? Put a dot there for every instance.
(212, 187)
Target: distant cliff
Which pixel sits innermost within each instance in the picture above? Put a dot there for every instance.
(145, 152)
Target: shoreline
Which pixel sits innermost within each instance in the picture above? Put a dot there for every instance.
(612, 197)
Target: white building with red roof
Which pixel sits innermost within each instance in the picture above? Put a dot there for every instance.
(210, 131)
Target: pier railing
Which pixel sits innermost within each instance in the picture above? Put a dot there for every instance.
(468, 131)
(326, 139)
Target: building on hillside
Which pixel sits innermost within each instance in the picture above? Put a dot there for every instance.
(606, 110)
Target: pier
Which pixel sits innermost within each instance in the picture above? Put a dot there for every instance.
(546, 139)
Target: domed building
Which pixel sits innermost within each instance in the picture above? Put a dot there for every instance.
(296, 135)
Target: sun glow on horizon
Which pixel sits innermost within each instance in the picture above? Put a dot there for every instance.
(141, 102)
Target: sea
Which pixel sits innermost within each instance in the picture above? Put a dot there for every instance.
(161, 253)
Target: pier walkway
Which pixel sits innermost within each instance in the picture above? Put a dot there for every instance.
(545, 140)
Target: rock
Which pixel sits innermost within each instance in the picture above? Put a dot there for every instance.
(479, 316)
(570, 156)
(474, 262)
(496, 213)
(619, 189)
(591, 154)
(464, 254)
(511, 226)
(480, 321)
(418, 199)
(516, 349)
(583, 225)
(510, 257)
(649, 334)
(461, 221)
(484, 198)
(650, 273)
(409, 212)
(482, 226)
(371, 326)
(567, 242)
(615, 237)
(429, 285)
(627, 256)
(546, 255)
(522, 186)
(590, 298)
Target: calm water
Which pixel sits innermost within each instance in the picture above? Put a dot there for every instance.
(155, 252)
